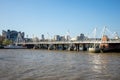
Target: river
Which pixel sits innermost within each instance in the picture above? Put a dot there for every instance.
(20, 64)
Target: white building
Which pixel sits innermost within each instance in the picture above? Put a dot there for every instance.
(57, 37)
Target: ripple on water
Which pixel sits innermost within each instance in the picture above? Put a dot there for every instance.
(58, 65)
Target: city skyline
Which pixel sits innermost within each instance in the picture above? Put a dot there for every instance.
(37, 17)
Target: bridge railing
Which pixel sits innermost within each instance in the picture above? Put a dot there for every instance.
(71, 42)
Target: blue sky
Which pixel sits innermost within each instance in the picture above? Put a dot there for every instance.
(36, 17)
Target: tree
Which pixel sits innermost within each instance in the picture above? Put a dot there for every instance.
(1, 39)
(7, 42)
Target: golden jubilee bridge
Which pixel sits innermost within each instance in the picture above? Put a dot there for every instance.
(113, 44)
(104, 43)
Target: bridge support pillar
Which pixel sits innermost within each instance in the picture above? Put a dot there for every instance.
(63, 46)
(77, 47)
(55, 46)
(84, 47)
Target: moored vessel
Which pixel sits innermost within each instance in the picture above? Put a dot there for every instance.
(14, 47)
(94, 50)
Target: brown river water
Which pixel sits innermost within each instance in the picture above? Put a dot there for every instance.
(20, 64)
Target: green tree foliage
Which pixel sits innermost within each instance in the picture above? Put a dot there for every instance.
(0, 42)
(6, 42)
(1, 39)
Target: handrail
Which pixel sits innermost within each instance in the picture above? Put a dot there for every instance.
(70, 42)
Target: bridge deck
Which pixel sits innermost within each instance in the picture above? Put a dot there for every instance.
(70, 42)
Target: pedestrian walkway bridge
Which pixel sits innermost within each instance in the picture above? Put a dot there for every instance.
(71, 42)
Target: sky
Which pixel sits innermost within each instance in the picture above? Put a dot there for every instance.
(58, 17)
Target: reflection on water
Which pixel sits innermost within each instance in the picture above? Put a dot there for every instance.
(58, 65)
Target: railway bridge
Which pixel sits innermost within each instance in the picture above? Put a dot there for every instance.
(71, 45)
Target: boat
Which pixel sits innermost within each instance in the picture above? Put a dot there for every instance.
(109, 47)
(114, 47)
(94, 50)
(14, 47)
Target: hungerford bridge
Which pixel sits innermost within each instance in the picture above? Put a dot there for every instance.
(104, 42)
(72, 45)
(70, 42)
